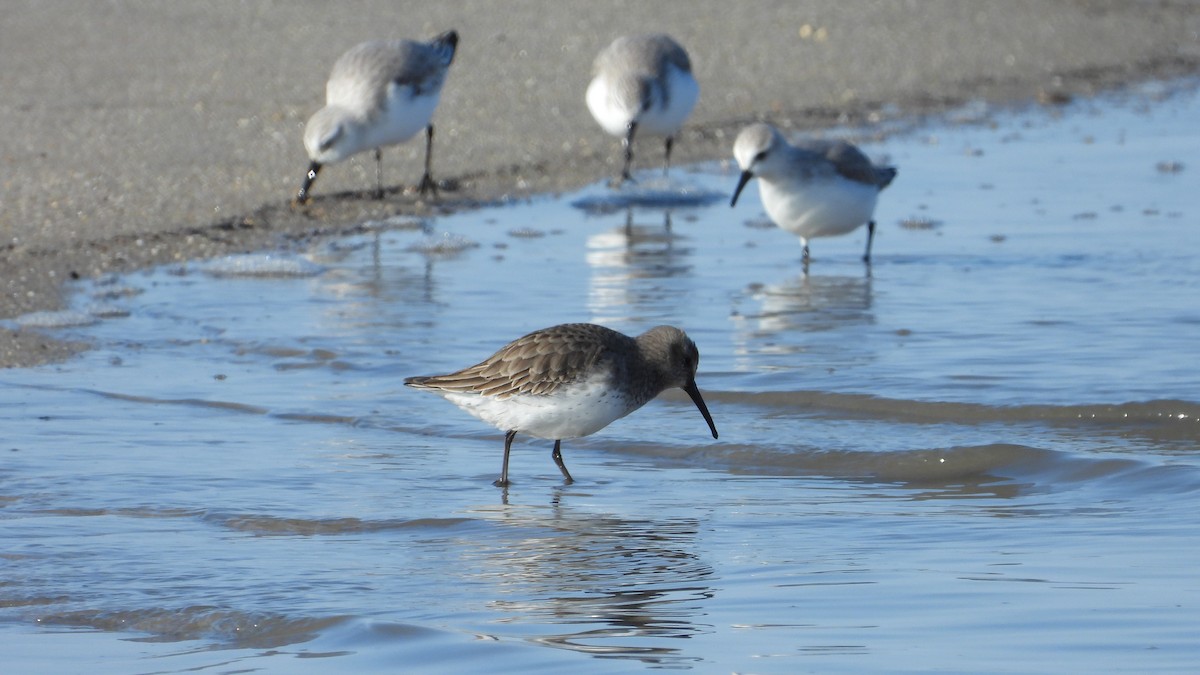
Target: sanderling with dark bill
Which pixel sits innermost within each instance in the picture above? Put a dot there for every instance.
(816, 188)
(379, 93)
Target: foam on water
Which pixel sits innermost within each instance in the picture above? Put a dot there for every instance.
(60, 319)
(445, 244)
(260, 265)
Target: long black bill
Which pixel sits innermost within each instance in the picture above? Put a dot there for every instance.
(313, 170)
(746, 176)
(694, 391)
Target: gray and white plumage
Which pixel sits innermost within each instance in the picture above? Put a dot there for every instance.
(642, 83)
(815, 188)
(571, 380)
(378, 93)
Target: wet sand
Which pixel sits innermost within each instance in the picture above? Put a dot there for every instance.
(139, 133)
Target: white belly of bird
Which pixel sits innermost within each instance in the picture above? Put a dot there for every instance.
(571, 412)
(609, 112)
(402, 118)
(666, 121)
(819, 208)
(614, 115)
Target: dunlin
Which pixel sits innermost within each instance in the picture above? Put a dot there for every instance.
(379, 93)
(570, 381)
(817, 188)
(642, 83)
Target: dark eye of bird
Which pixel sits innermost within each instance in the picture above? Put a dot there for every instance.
(331, 138)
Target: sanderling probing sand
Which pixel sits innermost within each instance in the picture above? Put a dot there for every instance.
(642, 83)
(379, 93)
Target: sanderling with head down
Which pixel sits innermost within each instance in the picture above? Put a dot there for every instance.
(379, 93)
(642, 83)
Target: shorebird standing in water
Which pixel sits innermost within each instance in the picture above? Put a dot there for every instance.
(642, 83)
(569, 381)
(379, 93)
(816, 188)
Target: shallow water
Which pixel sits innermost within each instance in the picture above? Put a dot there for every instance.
(981, 454)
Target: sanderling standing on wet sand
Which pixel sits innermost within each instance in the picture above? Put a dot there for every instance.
(642, 83)
(817, 188)
(569, 381)
(379, 93)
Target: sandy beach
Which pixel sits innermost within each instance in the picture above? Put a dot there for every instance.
(139, 133)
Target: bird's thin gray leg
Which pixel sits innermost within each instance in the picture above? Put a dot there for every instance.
(627, 144)
(508, 439)
(378, 173)
(670, 143)
(427, 184)
(557, 455)
(870, 238)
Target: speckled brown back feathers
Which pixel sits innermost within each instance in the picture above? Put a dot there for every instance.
(536, 364)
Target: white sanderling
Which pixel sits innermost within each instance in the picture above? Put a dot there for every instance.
(569, 381)
(379, 93)
(817, 188)
(642, 83)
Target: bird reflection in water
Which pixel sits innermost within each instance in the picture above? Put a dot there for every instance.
(618, 585)
(623, 257)
(791, 316)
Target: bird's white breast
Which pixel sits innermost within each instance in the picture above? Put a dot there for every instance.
(818, 206)
(681, 95)
(672, 99)
(570, 412)
(611, 112)
(402, 117)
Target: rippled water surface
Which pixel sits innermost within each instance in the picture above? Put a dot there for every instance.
(981, 454)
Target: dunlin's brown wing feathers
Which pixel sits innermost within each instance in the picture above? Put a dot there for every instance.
(535, 364)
